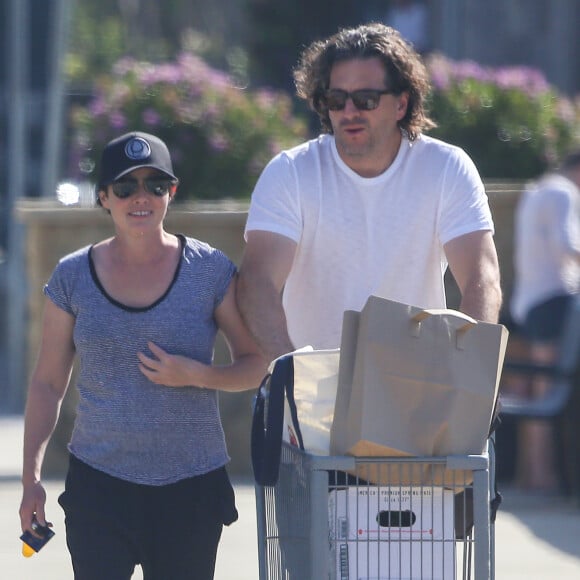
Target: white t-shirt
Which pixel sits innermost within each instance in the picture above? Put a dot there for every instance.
(361, 236)
(547, 244)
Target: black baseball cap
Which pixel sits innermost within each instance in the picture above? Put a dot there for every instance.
(131, 151)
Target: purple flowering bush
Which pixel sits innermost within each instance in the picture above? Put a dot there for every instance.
(512, 123)
(220, 135)
(510, 120)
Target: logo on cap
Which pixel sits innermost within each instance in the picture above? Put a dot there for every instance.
(137, 149)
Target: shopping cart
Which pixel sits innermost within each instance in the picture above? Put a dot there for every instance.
(345, 518)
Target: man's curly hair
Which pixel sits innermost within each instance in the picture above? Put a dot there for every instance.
(404, 71)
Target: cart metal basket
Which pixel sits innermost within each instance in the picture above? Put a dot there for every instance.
(379, 518)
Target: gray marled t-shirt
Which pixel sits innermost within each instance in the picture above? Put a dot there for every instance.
(126, 425)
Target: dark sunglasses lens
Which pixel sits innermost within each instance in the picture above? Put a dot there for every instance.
(366, 100)
(123, 189)
(159, 187)
(363, 100)
(335, 100)
(156, 186)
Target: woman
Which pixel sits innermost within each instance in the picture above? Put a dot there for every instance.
(146, 482)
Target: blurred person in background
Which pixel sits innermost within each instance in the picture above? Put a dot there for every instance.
(147, 482)
(547, 276)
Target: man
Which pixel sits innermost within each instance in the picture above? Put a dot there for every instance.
(547, 277)
(370, 207)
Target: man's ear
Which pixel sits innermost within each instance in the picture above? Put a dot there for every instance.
(402, 105)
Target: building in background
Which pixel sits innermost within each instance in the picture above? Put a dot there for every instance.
(539, 33)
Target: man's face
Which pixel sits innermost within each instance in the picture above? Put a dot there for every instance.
(366, 139)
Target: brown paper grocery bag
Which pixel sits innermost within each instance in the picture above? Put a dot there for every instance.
(416, 382)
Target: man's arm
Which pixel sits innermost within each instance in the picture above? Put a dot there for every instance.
(473, 262)
(266, 263)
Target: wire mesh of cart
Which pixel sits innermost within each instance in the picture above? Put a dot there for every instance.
(376, 518)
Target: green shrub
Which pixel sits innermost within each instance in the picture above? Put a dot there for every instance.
(220, 135)
(510, 120)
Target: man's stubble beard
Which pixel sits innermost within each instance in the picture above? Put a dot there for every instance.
(357, 150)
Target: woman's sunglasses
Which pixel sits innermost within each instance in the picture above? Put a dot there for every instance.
(363, 99)
(158, 186)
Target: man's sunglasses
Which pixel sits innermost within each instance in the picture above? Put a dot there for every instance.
(158, 186)
(363, 99)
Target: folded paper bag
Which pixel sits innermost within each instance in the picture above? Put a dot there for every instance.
(315, 384)
(294, 403)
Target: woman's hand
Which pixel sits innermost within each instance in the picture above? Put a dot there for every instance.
(32, 507)
(172, 370)
(246, 371)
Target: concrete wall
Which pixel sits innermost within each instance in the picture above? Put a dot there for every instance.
(53, 231)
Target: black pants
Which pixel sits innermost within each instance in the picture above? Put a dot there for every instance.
(172, 530)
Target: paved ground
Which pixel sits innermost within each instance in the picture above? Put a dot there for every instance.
(536, 538)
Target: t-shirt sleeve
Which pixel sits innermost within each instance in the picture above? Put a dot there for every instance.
(275, 205)
(465, 205)
(562, 229)
(59, 286)
(225, 270)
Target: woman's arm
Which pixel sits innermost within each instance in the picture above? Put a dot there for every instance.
(46, 391)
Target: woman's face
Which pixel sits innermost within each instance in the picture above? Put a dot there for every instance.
(139, 199)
